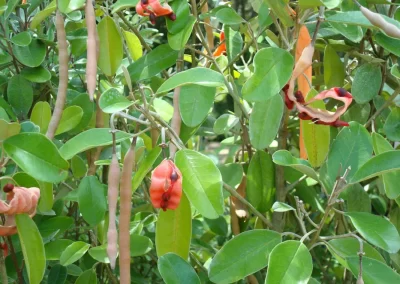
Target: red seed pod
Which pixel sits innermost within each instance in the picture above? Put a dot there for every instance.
(166, 186)
(172, 16)
(8, 187)
(152, 18)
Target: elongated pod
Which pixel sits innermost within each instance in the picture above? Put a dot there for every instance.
(63, 76)
(378, 21)
(91, 64)
(125, 215)
(112, 234)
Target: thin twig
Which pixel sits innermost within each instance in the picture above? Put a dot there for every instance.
(321, 18)
(383, 107)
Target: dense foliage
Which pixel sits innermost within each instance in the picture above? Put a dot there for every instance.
(199, 141)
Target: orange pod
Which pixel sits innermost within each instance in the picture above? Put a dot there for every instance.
(166, 186)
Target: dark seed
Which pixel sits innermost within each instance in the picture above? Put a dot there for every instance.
(8, 187)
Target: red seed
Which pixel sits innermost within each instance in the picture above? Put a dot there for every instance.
(8, 187)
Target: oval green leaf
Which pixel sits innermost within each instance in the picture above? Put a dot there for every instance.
(36, 74)
(112, 101)
(32, 55)
(367, 75)
(73, 253)
(41, 115)
(285, 158)
(37, 156)
(20, 95)
(175, 270)
(202, 182)
(140, 245)
(70, 118)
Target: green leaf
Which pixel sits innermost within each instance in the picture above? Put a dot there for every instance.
(89, 139)
(289, 262)
(145, 167)
(11, 5)
(392, 125)
(92, 200)
(234, 43)
(232, 174)
(67, 6)
(390, 180)
(341, 249)
(37, 156)
(174, 230)
(78, 167)
(197, 76)
(111, 51)
(22, 39)
(388, 43)
(20, 95)
(358, 19)
(272, 70)
(386, 162)
(55, 226)
(265, 120)
(376, 230)
(43, 14)
(224, 123)
(32, 55)
(113, 101)
(351, 148)
(280, 11)
(88, 107)
(160, 58)
(32, 248)
(281, 207)
(285, 158)
(358, 113)
(243, 255)
(46, 196)
(175, 270)
(367, 75)
(353, 33)
(316, 137)
(8, 129)
(73, 253)
(228, 16)
(260, 190)
(217, 226)
(195, 103)
(334, 73)
(99, 253)
(178, 41)
(123, 4)
(163, 108)
(140, 245)
(373, 271)
(55, 249)
(70, 118)
(357, 199)
(41, 115)
(182, 12)
(133, 44)
(88, 276)
(36, 74)
(202, 182)
(57, 275)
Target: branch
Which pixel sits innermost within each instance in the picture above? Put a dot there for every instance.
(321, 18)
(383, 107)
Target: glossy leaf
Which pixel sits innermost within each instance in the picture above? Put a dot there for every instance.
(70, 118)
(334, 69)
(272, 70)
(32, 55)
(99, 253)
(391, 180)
(197, 76)
(392, 125)
(41, 115)
(32, 248)
(174, 230)
(376, 230)
(265, 120)
(8, 129)
(55, 226)
(224, 123)
(22, 39)
(112, 101)
(43, 14)
(88, 107)
(232, 174)
(56, 248)
(111, 51)
(123, 4)
(281, 207)
(316, 137)
(260, 190)
(289, 262)
(175, 270)
(73, 253)
(357, 18)
(373, 271)
(341, 249)
(20, 95)
(133, 44)
(357, 199)
(383, 163)
(178, 41)
(388, 43)
(228, 16)
(243, 255)
(163, 108)
(92, 200)
(37, 156)
(367, 75)
(160, 58)
(202, 182)
(234, 42)
(351, 148)
(280, 10)
(89, 139)
(58, 274)
(182, 12)
(140, 245)
(46, 196)
(145, 167)
(195, 103)
(88, 276)
(285, 158)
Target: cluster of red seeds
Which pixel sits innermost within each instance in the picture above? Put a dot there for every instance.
(154, 9)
